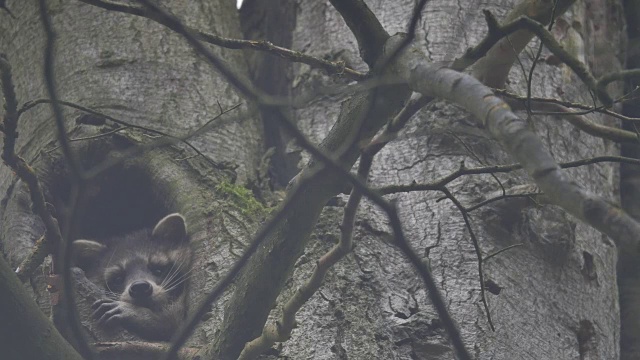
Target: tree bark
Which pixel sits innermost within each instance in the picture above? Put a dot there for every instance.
(552, 296)
(139, 72)
(26, 332)
(554, 287)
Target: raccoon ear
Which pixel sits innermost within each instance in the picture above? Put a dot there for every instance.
(86, 250)
(172, 228)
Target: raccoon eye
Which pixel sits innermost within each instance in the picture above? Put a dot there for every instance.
(158, 270)
(115, 281)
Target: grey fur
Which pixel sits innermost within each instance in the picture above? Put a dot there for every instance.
(144, 275)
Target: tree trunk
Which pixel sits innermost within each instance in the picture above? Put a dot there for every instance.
(552, 296)
(139, 72)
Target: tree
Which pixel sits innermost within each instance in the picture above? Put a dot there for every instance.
(517, 252)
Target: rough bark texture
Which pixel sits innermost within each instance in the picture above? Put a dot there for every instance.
(140, 72)
(27, 333)
(555, 289)
(553, 297)
(272, 21)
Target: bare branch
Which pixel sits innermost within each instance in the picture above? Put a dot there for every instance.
(535, 196)
(443, 181)
(496, 53)
(501, 251)
(364, 25)
(26, 174)
(580, 122)
(68, 302)
(331, 67)
(617, 76)
(587, 108)
(27, 332)
(169, 139)
(281, 330)
(552, 44)
(514, 134)
(476, 247)
(534, 62)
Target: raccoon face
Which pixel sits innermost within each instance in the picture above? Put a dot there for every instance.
(147, 280)
(145, 268)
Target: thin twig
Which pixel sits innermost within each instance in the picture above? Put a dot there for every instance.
(437, 184)
(476, 247)
(281, 330)
(501, 251)
(587, 108)
(243, 86)
(29, 105)
(502, 197)
(529, 79)
(77, 176)
(331, 67)
(27, 175)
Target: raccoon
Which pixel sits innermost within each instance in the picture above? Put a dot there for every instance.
(144, 274)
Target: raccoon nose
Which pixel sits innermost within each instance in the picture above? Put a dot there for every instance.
(140, 290)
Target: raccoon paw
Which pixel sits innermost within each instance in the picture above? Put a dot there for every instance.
(109, 311)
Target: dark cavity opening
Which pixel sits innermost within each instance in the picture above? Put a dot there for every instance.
(116, 202)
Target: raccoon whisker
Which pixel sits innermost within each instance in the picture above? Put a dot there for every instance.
(170, 273)
(173, 270)
(184, 277)
(173, 273)
(177, 283)
(180, 279)
(177, 277)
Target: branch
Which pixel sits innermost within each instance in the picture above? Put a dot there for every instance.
(364, 25)
(495, 54)
(26, 174)
(552, 44)
(580, 122)
(501, 251)
(67, 302)
(514, 134)
(443, 181)
(588, 109)
(476, 247)
(26, 332)
(170, 139)
(280, 331)
(617, 76)
(377, 110)
(331, 67)
(536, 197)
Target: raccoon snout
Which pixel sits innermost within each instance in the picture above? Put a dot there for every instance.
(140, 290)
